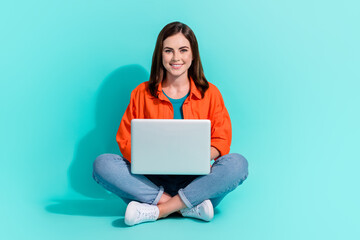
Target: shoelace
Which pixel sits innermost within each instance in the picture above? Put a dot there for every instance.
(145, 213)
(195, 210)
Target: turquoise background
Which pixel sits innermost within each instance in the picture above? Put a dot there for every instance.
(289, 75)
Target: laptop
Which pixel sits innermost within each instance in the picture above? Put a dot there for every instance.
(170, 146)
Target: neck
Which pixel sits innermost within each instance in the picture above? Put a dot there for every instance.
(176, 82)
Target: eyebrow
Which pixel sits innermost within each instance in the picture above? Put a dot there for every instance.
(179, 47)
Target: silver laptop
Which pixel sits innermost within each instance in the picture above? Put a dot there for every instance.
(170, 146)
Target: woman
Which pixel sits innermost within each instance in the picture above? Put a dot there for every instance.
(177, 89)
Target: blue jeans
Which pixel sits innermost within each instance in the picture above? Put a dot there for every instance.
(113, 173)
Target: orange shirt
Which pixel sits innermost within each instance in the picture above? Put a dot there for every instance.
(143, 105)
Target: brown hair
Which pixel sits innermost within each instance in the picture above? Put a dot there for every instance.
(158, 71)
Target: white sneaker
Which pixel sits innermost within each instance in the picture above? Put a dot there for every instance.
(203, 211)
(140, 212)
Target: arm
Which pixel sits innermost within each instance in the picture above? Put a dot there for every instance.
(123, 136)
(220, 125)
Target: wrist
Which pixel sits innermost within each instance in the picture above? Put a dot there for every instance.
(214, 153)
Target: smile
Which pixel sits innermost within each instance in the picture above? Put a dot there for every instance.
(176, 66)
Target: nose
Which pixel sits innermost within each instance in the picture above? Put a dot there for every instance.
(175, 56)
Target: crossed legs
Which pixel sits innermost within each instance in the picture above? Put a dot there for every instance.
(113, 173)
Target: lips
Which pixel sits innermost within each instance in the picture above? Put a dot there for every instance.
(176, 66)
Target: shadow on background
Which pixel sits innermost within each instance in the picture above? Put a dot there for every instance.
(112, 100)
(95, 208)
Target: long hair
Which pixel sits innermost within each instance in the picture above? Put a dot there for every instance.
(158, 71)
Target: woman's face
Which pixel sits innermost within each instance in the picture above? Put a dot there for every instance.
(176, 55)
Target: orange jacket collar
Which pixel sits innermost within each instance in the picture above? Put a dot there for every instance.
(194, 92)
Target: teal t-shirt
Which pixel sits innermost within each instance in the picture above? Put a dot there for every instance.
(177, 105)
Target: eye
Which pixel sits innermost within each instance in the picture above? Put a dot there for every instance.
(184, 50)
(167, 51)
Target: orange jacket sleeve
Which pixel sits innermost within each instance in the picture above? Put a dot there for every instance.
(220, 125)
(123, 136)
